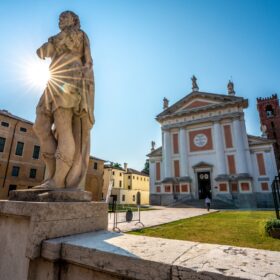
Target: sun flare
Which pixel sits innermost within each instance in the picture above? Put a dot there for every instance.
(37, 73)
(34, 73)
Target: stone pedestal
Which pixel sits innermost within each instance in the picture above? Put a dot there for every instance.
(24, 225)
(47, 195)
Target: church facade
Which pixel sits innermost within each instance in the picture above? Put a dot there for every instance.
(206, 151)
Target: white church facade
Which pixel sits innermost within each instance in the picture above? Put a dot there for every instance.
(206, 151)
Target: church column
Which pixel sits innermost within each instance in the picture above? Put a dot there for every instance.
(246, 145)
(183, 152)
(241, 161)
(167, 153)
(219, 149)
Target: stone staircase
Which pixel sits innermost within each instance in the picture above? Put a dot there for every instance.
(199, 203)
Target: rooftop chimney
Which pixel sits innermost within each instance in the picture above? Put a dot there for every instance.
(125, 166)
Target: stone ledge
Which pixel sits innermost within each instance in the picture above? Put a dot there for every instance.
(55, 195)
(54, 219)
(139, 257)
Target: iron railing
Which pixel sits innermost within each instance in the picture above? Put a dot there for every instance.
(276, 195)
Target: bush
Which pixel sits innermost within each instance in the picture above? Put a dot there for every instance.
(272, 225)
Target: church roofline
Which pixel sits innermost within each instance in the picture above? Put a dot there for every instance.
(230, 100)
(155, 153)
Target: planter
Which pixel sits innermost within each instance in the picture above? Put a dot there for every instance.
(275, 233)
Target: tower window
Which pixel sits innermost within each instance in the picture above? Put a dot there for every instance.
(269, 111)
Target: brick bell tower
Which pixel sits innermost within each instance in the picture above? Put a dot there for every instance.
(269, 112)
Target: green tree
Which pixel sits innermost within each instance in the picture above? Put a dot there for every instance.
(146, 167)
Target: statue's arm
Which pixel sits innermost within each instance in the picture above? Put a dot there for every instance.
(46, 50)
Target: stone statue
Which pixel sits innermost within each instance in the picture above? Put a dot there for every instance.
(65, 110)
(230, 88)
(194, 84)
(165, 103)
(153, 144)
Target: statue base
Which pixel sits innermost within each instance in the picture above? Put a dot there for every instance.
(51, 195)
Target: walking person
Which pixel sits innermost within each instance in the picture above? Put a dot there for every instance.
(207, 203)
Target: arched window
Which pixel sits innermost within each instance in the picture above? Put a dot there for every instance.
(269, 110)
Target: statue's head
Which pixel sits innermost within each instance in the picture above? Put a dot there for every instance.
(68, 19)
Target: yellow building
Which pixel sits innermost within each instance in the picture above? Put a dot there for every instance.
(94, 177)
(114, 174)
(126, 182)
(21, 164)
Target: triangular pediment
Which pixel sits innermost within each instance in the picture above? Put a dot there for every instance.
(200, 100)
(197, 103)
(257, 140)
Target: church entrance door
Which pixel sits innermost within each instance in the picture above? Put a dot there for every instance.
(204, 184)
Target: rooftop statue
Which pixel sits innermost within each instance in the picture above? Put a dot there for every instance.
(65, 110)
(230, 88)
(194, 83)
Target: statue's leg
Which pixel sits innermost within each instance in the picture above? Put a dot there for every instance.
(66, 145)
(43, 129)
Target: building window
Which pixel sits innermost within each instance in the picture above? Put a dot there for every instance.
(265, 186)
(177, 188)
(113, 172)
(133, 177)
(95, 166)
(175, 143)
(158, 189)
(234, 187)
(176, 168)
(158, 171)
(32, 173)
(185, 188)
(5, 124)
(23, 129)
(36, 152)
(19, 148)
(228, 136)
(231, 164)
(269, 111)
(245, 187)
(261, 165)
(120, 174)
(12, 188)
(129, 187)
(120, 184)
(167, 188)
(223, 187)
(2, 144)
(15, 171)
(133, 198)
(123, 197)
(128, 177)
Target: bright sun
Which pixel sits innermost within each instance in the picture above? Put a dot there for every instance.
(37, 73)
(34, 73)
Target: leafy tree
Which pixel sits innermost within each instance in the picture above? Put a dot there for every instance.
(117, 165)
(146, 167)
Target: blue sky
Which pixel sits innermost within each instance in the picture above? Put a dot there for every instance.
(144, 51)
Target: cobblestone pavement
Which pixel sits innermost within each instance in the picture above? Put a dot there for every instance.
(150, 218)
